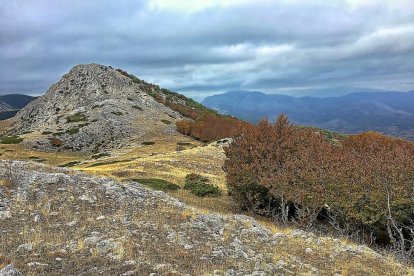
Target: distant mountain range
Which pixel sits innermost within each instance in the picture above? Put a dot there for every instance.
(387, 112)
(10, 104)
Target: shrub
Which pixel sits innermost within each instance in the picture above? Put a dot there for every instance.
(210, 127)
(100, 155)
(70, 164)
(56, 142)
(72, 131)
(4, 261)
(137, 107)
(184, 144)
(295, 174)
(106, 163)
(166, 122)
(83, 125)
(148, 143)
(118, 113)
(200, 185)
(46, 132)
(158, 184)
(78, 117)
(11, 140)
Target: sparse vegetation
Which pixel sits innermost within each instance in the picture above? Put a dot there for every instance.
(184, 144)
(72, 131)
(106, 163)
(78, 117)
(100, 155)
(118, 113)
(200, 185)
(11, 140)
(56, 142)
(362, 187)
(148, 143)
(166, 122)
(158, 184)
(70, 164)
(137, 107)
(46, 132)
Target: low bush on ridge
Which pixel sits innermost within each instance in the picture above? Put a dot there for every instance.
(362, 186)
(200, 185)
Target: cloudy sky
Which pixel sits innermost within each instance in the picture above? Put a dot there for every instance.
(203, 47)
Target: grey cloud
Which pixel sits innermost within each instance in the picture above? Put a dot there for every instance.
(263, 45)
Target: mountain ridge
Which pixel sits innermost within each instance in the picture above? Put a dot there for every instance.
(387, 112)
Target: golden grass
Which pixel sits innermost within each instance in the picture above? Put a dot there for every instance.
(162, 160)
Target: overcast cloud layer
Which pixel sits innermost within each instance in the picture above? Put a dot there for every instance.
(205, 47)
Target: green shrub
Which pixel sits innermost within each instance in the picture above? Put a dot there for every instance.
(206, 190)
(83, 125)
(158, 184)
(148, 143)
(137, 107)
(70, 164)
(37, 159)
(184, 144)
(72, 130)
(46, 132)
(78, 117)
(11, 140)
(100, 155)
(166, 122)
(200, 185)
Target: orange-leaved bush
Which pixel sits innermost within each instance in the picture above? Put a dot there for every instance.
(294, 174)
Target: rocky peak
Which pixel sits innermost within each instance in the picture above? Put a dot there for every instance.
(93, 106)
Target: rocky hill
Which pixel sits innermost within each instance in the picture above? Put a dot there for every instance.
(93, 107)
(55, 221)
(16, 101)
(5, 107)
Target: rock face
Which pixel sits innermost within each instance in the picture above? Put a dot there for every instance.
(10, 271)
(97, 226)
(5, 107)
(91, 108)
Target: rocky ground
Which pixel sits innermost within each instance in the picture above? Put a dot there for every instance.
(92, 108)
(56, 221)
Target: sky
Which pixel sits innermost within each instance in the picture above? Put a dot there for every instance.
(206, 47)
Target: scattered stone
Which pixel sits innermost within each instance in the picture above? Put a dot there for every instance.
(72, 223)
(38, 264)
(10, 270)
(5, 215)
(24, 248)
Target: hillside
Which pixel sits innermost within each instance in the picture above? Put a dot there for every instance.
(10, 104)
(16, 101)
(93, 108)
(95, 225)
(387, 112)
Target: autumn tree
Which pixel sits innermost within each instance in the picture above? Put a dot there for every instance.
(363, 185)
